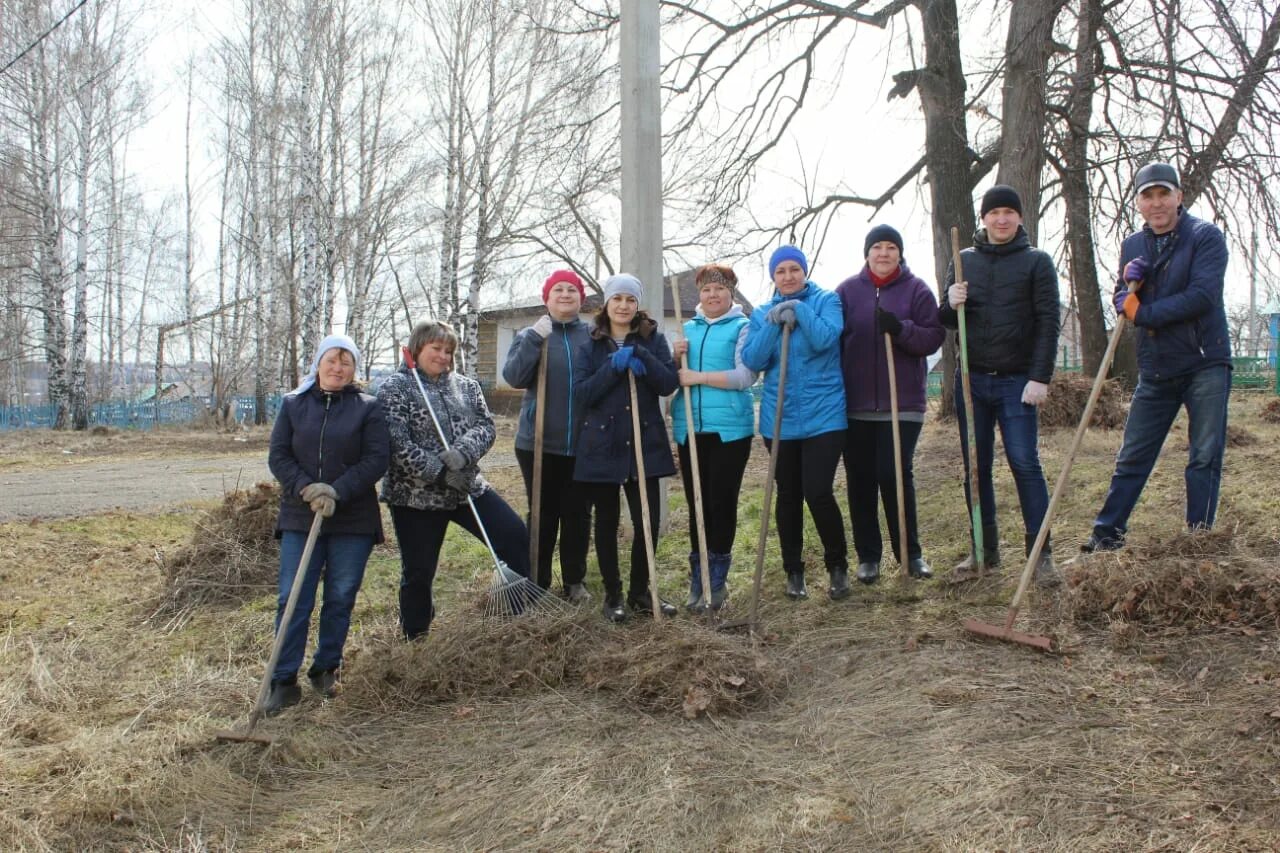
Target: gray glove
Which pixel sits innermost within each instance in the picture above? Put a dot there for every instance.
(460, 481)
(542, 328)
(783, 314)
(453, 459)
(311, 491)
(324, 506)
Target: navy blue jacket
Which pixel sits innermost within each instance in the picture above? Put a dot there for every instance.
(521, 371)
(604, 448)
(1181, 320)
(338, 438)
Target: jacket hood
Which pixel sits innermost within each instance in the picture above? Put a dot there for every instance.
(735, 310)
(810, 288)
(646, 330)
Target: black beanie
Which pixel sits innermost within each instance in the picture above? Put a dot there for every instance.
(1001, 195)
(881, 234)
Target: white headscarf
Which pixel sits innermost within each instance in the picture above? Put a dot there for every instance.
(330, 342)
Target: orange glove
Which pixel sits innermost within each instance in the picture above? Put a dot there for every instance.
(1131, 307)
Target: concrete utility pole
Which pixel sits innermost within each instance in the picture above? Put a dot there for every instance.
(641, 237)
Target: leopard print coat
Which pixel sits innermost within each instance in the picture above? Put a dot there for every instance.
(415, 477)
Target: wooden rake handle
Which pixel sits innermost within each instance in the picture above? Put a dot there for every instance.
(642, 482)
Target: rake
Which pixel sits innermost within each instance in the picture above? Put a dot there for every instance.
(511, 593)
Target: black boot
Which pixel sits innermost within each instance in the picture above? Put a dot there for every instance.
(868, 573)
(324, 682)
(839, 583)
(918, 569)
(796, 590)
(644, 605)
(1046, 573)
(613, 609)
(283, 694)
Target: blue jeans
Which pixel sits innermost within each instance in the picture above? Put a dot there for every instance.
(1155, 405)
(342, 558)
(998, 400)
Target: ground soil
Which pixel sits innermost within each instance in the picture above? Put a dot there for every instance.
(894, 730)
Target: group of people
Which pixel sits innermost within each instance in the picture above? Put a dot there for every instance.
(426, 433)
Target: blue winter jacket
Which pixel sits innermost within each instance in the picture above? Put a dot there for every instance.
(813, 401)
(1181, 321)
(521, 371)
(339, 438)
(605, 452)
(714, 348)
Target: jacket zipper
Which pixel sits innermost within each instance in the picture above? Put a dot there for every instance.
(875, 349)
(568, 354)
(702, 348)
(328, 398)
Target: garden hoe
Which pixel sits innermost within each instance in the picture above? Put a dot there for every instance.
(511, 594)
(703, 557)
(264, 688)
(1005, 632)
(975, 503)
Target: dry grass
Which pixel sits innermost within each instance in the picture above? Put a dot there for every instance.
(232, 556)
(871, 724)
(1068, 395)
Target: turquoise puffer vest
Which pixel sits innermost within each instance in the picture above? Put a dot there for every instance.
(712, 347)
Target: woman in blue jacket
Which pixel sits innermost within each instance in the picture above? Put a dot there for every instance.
(563, 510)
(812, 432)
(624, 339)
(329, 446)
(723, 422)
(885, 299)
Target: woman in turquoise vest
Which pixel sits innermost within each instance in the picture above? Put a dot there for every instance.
(723, 422)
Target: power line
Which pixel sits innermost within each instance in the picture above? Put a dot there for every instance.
(42, 36)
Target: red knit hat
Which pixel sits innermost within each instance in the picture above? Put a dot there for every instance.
(559, 276)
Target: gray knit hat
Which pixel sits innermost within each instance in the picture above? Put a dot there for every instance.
(623, 283)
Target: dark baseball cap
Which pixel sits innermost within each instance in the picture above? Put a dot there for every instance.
(1156, 175)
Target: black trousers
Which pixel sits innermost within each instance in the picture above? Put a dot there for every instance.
(420, 533)
(869, 470)
(720, 468)
(608, 505)
(806, 475)
(565, 511)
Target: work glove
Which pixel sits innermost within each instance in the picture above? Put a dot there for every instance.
(887, 322)
(1035, 393)
(957, 294)
(1135, 270)
(460, 481)
(311, 491)
(1118, 298)
(324, 506)
(621, 358)
(1130, 307)
(783, 314)
(453, 459)
(542, 328)
(637, 366)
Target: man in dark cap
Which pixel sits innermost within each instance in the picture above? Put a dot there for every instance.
(1170, 289)
(1010, 297)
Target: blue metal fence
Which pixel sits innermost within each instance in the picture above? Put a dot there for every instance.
(132, 415)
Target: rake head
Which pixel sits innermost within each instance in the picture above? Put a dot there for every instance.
(512, 595)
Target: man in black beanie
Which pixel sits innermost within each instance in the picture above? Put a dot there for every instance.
(1010, 297)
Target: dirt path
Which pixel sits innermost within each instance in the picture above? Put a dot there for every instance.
(133, 484)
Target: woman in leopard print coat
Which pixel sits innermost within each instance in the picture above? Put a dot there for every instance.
(427, 486)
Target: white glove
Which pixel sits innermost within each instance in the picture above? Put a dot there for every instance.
(679, 346)
(957, 294)
(1035, 393)
(542, 328)
(324, 506)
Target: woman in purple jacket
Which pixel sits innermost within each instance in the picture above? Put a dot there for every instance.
(885, 298)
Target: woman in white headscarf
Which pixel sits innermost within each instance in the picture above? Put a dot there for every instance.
(329, 447)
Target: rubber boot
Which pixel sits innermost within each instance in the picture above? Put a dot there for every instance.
(839, 577)
(614, 611)
(720, 564)
(965, 570)
(694, 602)
(1046, 573)
(796, 590)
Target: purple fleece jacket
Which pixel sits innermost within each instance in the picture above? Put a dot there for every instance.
(862, 358)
